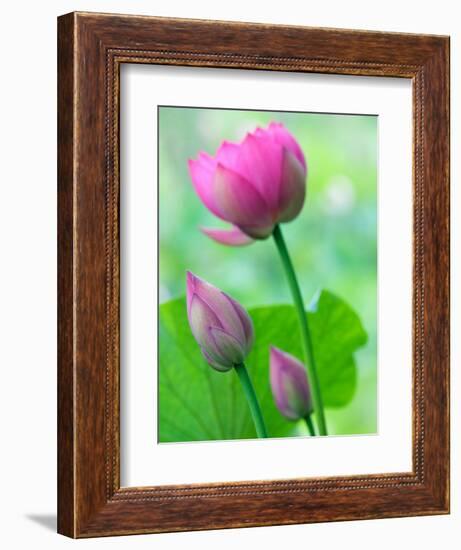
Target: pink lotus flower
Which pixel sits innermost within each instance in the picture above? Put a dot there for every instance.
(254, 184)
(220, 325)
(290, 387)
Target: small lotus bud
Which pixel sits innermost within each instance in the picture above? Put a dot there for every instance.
(290, 387)
(220, 325)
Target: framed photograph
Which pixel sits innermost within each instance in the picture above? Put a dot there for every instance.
(253, 259)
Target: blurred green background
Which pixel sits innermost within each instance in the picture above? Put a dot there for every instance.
(333, 242)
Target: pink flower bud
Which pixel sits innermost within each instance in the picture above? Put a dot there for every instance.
(289, 384)
(220, 325)
(254, 184)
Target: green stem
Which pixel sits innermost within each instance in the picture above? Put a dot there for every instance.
(310, 424)
(305, 333)
(252, 400)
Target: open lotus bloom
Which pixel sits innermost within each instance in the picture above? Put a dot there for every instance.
(254, 184)
(220, 325)
(290, 387)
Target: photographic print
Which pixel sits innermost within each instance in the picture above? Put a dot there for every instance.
(267, 319)
(253, 253)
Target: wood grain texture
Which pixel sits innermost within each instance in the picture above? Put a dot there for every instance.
(66, 296)
(91, 49)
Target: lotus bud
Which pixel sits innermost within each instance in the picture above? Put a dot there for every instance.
(254, 184)
(289, 384)
(220, 325)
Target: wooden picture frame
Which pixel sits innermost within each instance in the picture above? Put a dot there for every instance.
(91, 49)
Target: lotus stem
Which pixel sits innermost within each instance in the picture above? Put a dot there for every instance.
(305, 332)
